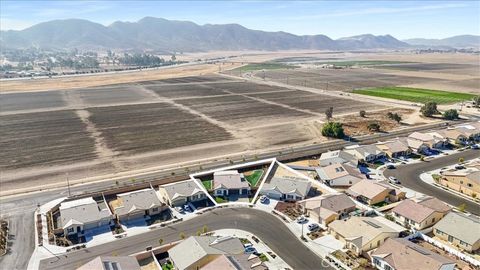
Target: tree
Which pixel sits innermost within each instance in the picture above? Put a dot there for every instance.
(362, 113)
(451, 114)
(460, 160)
(396, 117)
(476, 101)
(429, 109)
(333, 129)
(373, 126)
(204, 229)
(390, 115)
(182, 235)
(329, 113)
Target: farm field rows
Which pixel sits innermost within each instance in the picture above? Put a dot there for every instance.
(37, 100)
(415, 94)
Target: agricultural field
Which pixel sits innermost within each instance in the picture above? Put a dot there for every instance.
(415, 94)
(31, 101)
(44, 138)
(263, 66)
(110, 95)
(148, 127)
(360, 63)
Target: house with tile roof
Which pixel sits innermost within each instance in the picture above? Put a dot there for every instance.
(230, 182)
(338, 156)
(181, 193)
(286, 188)
(366, 153)
(137, 204)
(339, 175)
(459, 230)
(420, 215)
(112, 263)
(395, 148)
(83, 214)
(372, 192)
(327, 208)
(236, 262)
(401, 254)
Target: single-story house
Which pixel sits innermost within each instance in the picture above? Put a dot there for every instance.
(454, 136)
(197, 251)
(338, 156)
(180, 193)
(459, 230)
(362, 234)
(371, 192)
(286, 188)
(417, 146)
(402, 254)
(327, 208)
(420, 215)
(137, 204)
(432, 139)
(366, 153)
(230, 182)
(236, 262)
(339, 175)
(112, 263)
(395, 148)
(83, 214)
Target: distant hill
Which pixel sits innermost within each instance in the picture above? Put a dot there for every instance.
(166, 35)
(463, 41)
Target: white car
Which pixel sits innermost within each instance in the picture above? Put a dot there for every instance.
(302, 219)
(393, 180)
(313, 227)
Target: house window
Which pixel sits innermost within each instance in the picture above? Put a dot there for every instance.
(450, 238)
(387, 267)
(70, 230)
(438, 232)
(463, 243)
(376, 261)
(155, 209)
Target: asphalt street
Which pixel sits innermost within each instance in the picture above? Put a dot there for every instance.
(267, 227)
(409, 176)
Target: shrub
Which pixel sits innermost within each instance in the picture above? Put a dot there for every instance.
(429, 109)
(476, 101)
(396, 117)
(333, 129)
(329, 113)
(451, 114)
(373, 126)
(362, 113)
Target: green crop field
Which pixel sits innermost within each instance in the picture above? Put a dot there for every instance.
(266, 66)
(415, 94)
(254, 177)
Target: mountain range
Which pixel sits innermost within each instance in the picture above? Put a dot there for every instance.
(462, 41)
(178, 36)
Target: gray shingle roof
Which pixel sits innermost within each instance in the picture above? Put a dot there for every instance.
(460, 226)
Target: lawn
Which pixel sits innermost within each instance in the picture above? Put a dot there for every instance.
(415, 94)
(267, 65)
(219, 199)
(207, 184)
(254, 177)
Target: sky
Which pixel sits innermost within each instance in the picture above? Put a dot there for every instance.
(336, 19)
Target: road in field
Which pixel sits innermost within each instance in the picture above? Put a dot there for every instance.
(409, 175)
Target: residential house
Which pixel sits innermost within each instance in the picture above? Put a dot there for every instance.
(454, 136)
(339, 156)
(339, 175)
(180, 193)
(366, 153)
(471, 131)
(417, 146)
(111, 263)
(137, 204)
(402, 254)
(362, 234)
(83, 214)
(466, 181)
(432, 139)
(460, 230)
(420, 215)
(327, 208)
(286, 188)
(229, 182)
(198, 251)
(395, 148)
(236, 262)
(371, 192)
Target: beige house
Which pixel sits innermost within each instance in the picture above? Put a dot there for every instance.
(466, 181)
(395, 148)
(236, 262)
(366, 153)
(432, 139)
(338, 156)
(401, 254)
(459, 230)
(340, 175)
(327, 208)
(111, 263)
(83, 214)
(420, 215)
(180, 193)
(286, 188)
(198, 251)
(137, 204)
(230, 183)
(362, 234)
(371, 192)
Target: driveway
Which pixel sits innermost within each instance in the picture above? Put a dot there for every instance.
(266, 226)
(409, 175)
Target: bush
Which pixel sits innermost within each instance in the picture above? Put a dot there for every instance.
(362, 113)
(476, 101)
(329, 113)
(451, 114)
(396, 117)
(373, 126)
(429, 109)
(333, 130)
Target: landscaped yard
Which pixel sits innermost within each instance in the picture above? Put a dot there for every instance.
(254, 177)
(207, 184)
(380, 204)
(260, 66)
(219, 199)
(415, 94)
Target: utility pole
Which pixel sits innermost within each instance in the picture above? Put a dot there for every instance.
(68, 186)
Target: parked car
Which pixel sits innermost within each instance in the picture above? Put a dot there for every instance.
(264, 199)
(302, 219)
(390, 166)
(313, 227)
(459, 167)
(393, 180)
(187, 208)
(250, 250)
(475, 146)
(179, 209)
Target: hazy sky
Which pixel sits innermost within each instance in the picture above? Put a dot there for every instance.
(402, 19)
